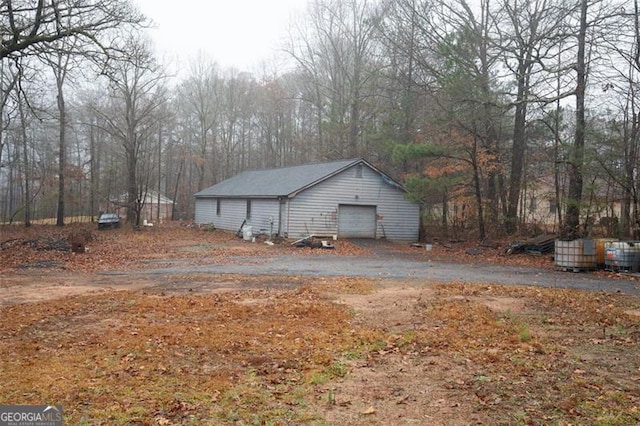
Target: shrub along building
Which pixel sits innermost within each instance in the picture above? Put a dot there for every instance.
(348, 198)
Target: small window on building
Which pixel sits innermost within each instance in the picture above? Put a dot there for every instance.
(218, 207)
(248, 209)
(553, 207)
(359, 171)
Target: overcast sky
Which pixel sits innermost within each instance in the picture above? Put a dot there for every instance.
(234, 33)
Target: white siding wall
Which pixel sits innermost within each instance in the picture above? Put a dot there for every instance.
(233, 213)
(205, 210)
(315, 211)
(283, 228)
(261, 211)
(399, 219)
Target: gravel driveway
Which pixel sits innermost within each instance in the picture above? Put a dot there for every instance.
(382, 265)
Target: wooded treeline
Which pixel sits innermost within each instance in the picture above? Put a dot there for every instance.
(497, 115)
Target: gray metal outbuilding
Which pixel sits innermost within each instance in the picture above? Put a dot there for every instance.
(347, 198)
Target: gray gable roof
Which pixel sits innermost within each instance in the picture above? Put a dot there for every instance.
(278, 182)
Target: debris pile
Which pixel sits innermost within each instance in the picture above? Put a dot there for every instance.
(313, 243)
(42, 243)
(536, 245)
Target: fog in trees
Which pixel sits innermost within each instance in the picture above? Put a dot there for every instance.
(498, 116)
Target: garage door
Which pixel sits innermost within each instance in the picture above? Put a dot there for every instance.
(356, 221)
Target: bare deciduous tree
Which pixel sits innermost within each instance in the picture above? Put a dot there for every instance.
(200, 94)
(336, 51)
(31, 27)
(136, 93)
(530, 36)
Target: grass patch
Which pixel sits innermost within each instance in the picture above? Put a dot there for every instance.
(333, 371)
(524, 333)
(128, 357)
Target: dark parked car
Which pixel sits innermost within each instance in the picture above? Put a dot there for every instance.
(108, 220)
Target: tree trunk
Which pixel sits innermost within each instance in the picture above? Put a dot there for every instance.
(518, 151)
(630, 140)
(175, 190)
(94, 172)
(131, 150)
(574, 199)
(556, 166)
(477, 189)
(27, 174)
(160, 171)
(629, 207)
(62, 156)
(132, 189)
(445, 213)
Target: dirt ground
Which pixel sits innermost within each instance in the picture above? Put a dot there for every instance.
(113, 345)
